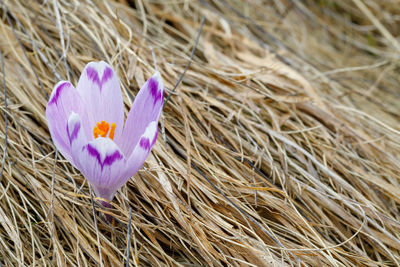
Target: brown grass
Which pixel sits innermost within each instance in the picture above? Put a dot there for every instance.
(281, 145)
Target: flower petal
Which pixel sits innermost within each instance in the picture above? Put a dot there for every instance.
(76, 137)
(64, 99)
(145, 109)
(103, 165)
(142, 149)
(100, 90)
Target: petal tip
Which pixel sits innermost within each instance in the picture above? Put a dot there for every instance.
(57, 90)
(156, 87)
(73, 126)
(157, 75)
(104, 151)
(99, 72)
(149, 137)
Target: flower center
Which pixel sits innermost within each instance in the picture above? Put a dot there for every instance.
(101, 129)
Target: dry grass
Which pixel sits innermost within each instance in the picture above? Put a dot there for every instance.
(281, 145)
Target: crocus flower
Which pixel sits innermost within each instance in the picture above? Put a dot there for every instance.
(87, 126)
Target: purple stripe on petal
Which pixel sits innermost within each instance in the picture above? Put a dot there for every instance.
(153, 85)
(94, 76)
(109, 159)
(74, 133)
(108, 73)
(145, 142)
(56, 95)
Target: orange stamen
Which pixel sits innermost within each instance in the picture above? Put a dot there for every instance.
(101, 129)
(111, 135)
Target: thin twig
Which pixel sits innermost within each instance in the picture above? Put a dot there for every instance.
(52, 181)
(60, 30)
(53, 228)
(95, 225)
(190, 61)
(128, 244)
(5, 116)
(154, 57)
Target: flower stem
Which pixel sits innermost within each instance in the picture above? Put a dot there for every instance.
(107, 205)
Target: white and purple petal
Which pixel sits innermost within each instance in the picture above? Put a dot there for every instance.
(64, 99)
(103, 165)
(77, 138)
(142, 149)
(145, 109)
(100, 90)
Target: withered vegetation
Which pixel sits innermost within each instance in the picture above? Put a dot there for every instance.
(280, 147)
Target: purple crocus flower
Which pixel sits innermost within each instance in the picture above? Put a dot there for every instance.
(87, 126)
